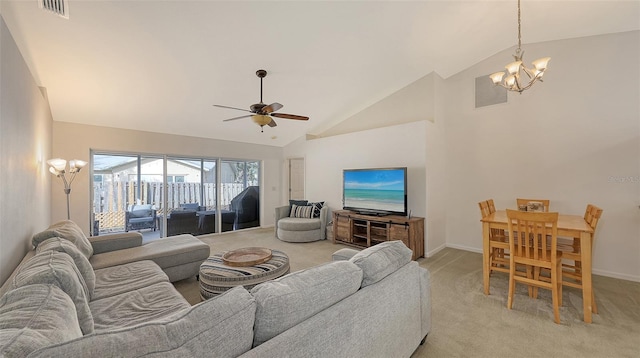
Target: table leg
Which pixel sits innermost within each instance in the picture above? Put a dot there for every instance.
(585, 253)
(485, 256)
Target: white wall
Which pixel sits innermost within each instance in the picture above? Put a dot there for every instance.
(395, 146)
(25, 145)
(404, 129)
(74, 141)
(574, 139)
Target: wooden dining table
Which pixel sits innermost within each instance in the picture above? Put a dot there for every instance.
(573, 226)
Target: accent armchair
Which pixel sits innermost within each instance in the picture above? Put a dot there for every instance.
(140, 217)
(301, 228)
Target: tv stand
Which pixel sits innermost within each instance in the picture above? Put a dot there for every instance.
(362, 230)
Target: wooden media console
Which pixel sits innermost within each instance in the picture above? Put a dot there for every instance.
(366, 230)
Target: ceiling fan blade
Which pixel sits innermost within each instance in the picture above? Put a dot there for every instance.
(272, 107)
(239, 109)
(272, 123)
(234, 118)
(289, 116)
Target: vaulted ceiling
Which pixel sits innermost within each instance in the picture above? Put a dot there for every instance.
(160, 65)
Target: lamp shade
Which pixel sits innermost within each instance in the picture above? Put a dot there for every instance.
(496, 77)
(77, 164)
(261, 120)
(541, 63)
(57, 163)
(513, 67)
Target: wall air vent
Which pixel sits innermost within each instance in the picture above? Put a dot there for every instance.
(58, 7)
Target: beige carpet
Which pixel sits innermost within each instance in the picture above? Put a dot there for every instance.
(466, 323)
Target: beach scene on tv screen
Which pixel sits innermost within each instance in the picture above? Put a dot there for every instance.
(374, 189)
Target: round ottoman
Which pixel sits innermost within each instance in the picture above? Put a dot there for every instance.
(299, 229)
(216, 277)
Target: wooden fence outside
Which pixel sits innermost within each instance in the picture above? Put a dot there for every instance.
(111, 199)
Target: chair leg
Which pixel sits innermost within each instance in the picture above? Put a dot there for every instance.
(530, 276)
(512, 284)
(536, 276)
(556, 289)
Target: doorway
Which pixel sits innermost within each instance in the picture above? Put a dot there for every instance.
(296, 178)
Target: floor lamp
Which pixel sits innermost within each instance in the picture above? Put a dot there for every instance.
(58, 168)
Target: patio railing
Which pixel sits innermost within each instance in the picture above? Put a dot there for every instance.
(111, 199)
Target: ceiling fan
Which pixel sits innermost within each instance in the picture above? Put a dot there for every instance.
(262, 113)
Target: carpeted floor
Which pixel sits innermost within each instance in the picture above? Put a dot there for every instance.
(466, 323)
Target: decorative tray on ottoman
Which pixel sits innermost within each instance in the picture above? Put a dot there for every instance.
(247, 256)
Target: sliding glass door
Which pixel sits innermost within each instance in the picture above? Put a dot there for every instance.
(241, 191)
(140, 192)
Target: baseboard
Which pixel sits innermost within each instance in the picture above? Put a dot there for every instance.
(435, 251)
(621, 276)
(465, 248)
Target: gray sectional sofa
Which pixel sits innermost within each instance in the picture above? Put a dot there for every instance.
(373, 303)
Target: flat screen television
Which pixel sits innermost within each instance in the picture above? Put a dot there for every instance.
(376, 191)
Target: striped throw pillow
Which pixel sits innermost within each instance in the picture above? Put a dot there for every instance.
(301, 211)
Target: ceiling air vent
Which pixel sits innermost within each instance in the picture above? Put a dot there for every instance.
(58, 7)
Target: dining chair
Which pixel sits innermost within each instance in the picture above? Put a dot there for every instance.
(571, 253)
(545, 202)
(498, 241)
(535, 249)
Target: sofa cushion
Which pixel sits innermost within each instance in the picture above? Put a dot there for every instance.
(57, 268)
(67, 230)
(298, 224)
(112, 281)
(81, 262)
(141, 215)
(379, 261)
(301, 211)
(35, 316)
(218, 327)
(168, 252)
(291, 299)
(343, 254)
(136, 307)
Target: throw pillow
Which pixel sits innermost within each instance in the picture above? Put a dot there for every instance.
(297, 202)
(61, 245)
(67, 230)
(301, 211)
(381, 260)
(291, 299)
(316, 208)
(33, 317)
(58, 269)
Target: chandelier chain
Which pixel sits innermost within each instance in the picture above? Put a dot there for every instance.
(519, 36)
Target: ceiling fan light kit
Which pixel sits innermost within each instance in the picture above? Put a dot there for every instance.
(261, 112)
(513, 82)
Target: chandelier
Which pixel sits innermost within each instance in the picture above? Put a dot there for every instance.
(514, 81)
